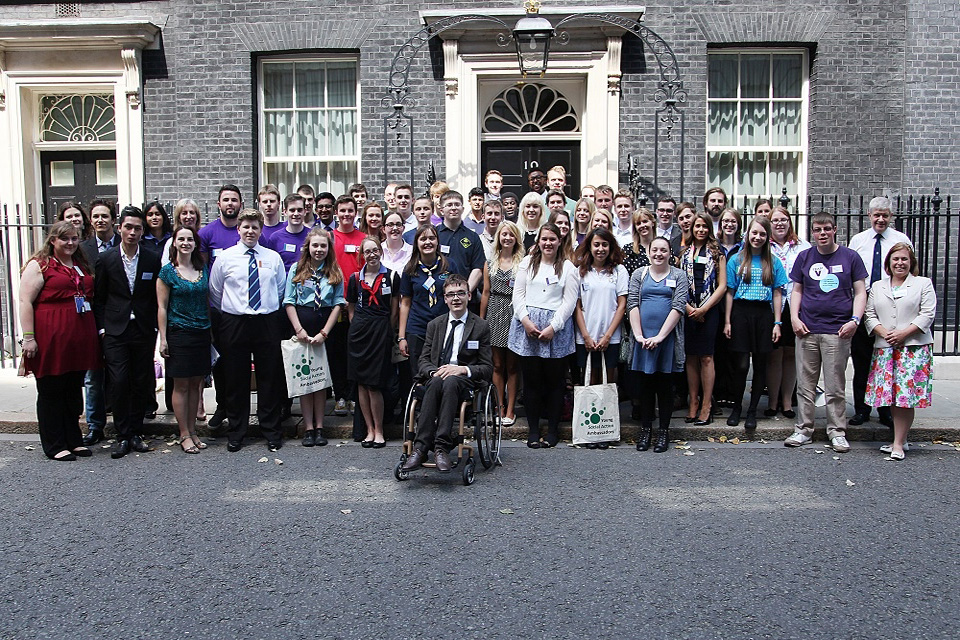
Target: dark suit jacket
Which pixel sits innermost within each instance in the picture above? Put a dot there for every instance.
(92, 251)
(112, 300)
(480, 359)
(676, 236)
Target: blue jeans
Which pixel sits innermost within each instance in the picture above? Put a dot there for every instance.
(95, 406)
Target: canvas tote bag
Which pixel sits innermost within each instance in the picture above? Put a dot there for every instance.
(596, 410)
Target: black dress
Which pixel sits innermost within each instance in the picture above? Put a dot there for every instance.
(370, 340)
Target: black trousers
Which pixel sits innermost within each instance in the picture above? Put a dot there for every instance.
(439, 411)
(59, 403)
(654, 389)
(543, 386)
(861, 351)
(131, 380)
(256, 336)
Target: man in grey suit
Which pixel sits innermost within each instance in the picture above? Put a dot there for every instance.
(455, 357)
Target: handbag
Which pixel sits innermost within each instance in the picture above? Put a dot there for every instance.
(596, 410)
(305, 367)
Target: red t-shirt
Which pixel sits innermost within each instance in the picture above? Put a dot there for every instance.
(347, 248)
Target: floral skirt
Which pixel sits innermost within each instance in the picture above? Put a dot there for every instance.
(901, 377)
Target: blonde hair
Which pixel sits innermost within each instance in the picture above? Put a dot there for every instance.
(518, 250)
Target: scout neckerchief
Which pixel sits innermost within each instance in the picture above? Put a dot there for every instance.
(373, 290)
(433, 285)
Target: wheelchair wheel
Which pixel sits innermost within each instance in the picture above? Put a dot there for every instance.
(398, 472)
(410, 413)
(487, 431)
(468, 472)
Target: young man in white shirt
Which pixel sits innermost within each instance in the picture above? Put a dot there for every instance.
(623, 218)
(666, 228)
(493, 181)
(246, 287)
(557, 179)
(492, 217)
(403, 197)
(872, 246)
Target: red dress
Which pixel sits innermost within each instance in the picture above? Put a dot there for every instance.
(66, 340)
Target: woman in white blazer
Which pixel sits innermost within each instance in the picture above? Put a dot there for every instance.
(900, 313)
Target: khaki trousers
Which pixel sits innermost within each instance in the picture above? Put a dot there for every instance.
(829, 353)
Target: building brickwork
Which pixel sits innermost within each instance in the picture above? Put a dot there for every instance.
(884, 110)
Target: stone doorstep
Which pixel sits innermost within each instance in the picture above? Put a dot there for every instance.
(768, 429)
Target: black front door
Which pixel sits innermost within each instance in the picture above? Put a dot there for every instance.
(80, 176)
(516, 159)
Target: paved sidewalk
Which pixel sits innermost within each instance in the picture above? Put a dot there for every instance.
(18, 415)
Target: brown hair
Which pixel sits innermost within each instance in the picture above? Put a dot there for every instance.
(900, 246)
(329, 269)
(45, 252)
(585, 255)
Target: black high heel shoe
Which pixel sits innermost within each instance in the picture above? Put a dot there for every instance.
(703, 423)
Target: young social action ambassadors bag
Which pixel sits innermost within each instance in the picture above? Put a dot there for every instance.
(305, 367)
(596, 410)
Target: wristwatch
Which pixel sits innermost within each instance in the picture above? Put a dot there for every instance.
(856, 320)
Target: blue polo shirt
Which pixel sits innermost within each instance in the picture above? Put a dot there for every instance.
(412, 286)
(461, 247)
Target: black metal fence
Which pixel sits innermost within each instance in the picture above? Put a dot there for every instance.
(931, 222)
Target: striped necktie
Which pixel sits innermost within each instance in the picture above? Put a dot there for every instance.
(253, 281)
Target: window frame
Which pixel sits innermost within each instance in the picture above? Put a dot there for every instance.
(736, 198)
(261, 159)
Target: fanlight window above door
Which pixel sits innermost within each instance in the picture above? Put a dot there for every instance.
(78, 118)
(530, 108)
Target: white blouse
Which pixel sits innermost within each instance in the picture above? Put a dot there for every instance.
(546, 290)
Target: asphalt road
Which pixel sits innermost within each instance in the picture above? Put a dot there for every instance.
(749, 541)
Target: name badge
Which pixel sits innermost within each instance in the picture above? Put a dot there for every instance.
(837, 268)
(672, 283)
(81, 304)
(350, 248)
(444, 248)
(897, 295)
(703, 260)
(290, 248)
(429, 282)
(552, 279)
(512, 283)
(585, 286)
(217, 252)
(473, 344)
(146, 276)
(385, 289)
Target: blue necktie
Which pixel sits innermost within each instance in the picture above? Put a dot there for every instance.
(877, 269)
(253, 281)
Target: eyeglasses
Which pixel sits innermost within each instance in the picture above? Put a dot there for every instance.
(394, 225)
(819, 230)
(371, 252)
(659, 210)
(450, 295)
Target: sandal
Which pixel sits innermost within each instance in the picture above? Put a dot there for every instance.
(192, 448)
(197, 442)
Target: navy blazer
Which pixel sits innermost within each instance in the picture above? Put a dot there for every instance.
(112, 301)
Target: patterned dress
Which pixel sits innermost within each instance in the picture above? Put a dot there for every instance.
(500, 307)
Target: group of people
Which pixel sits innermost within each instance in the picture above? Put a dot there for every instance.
(449, 291)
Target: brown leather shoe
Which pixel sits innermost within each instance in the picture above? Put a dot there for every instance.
(442, 458)
(414, 461)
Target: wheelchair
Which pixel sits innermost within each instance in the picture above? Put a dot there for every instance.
(479, 417)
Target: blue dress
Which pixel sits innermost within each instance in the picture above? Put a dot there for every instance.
(656, 300)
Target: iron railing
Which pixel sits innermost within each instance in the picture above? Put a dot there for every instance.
(931, 222)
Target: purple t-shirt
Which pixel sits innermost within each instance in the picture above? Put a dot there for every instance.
(286, 244)
(269, 231)
(214, 238)
(827, 281)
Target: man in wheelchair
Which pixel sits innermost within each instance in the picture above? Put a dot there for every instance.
(456, 357)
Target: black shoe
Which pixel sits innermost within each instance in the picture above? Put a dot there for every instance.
(273, 447)
(150, 416)
(366, 444)
(216, 420)
(603, 445)
(643, 439)
(591, 445)
(734, 418)
(703, 423)
(120, 449)
(858, 419)
(82, 452)
(751, 421)
(689, 419)
(663, 441)
(318, 438)
(442, 459)
(138, 445)
(886, 420)
(234, 445)
(379, 445)
(93, 437)
(533, 438)
(769, 412)
(789, 413)
(550, 440)
(310, 438)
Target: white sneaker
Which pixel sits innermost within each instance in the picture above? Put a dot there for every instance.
(341, 408)
(840, 444)
(797, 439)
(887, 448)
